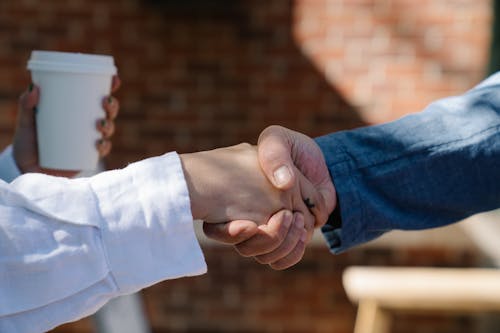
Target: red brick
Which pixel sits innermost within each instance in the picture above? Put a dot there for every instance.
(197, 80)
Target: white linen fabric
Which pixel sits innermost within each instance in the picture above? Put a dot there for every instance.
(67, 246)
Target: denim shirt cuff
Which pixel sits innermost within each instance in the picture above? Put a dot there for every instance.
(347, 226)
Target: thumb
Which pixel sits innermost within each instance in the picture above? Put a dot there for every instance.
(274, 152)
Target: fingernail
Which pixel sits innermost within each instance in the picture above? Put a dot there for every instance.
(100, 142)
(110, 100)
(282, 175)
(30, 87)
(103, 123)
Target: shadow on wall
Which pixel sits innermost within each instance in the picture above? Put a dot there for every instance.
(208, 74)
(196, 74)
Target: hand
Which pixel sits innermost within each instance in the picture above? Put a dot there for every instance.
(25, 148)
(227, 184)
(281, 153)
(280, 243)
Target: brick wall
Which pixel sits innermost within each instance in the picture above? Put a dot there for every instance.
(389, 58)
(196, 76)
(200, 74)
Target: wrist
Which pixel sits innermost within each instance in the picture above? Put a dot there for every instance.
(19, 165)
(191, 166)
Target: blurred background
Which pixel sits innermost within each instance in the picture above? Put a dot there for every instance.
(199, 74)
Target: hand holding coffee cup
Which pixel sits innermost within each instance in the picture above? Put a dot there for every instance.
(74, 110)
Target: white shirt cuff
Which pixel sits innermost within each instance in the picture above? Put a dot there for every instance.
(151, 238)
(8, 167)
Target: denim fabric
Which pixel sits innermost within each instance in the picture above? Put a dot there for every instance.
(422, 171)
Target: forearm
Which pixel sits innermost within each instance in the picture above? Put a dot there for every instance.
(424, 170)
(74, 244)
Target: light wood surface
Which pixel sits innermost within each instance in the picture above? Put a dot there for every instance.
(380, 290)
(426, 288)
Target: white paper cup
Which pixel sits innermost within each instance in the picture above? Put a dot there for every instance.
(72, 88)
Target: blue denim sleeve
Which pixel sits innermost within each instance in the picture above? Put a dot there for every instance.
(422, 171)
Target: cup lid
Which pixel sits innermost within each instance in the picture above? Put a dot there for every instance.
(71, 62)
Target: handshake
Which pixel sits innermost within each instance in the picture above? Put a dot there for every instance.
(265, 200)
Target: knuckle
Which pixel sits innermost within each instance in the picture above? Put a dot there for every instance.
(269, 129)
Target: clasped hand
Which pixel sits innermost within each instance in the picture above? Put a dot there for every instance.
(265, 200)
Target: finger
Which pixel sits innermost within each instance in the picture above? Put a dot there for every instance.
(29, 98)
(268, 237)
(274, 150)
(231, 232)
(313, 200)
(115, 83)
(103, 147)
(294, 257)
(106, 127)
(111, 106)
(27, 103)
(291, 240)
(328, 200)
(305, 192)
(309, 222)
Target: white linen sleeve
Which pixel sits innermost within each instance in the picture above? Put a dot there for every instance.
(68, 246)
(8, 167)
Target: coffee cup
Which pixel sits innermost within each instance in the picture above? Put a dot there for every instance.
(72, 88)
